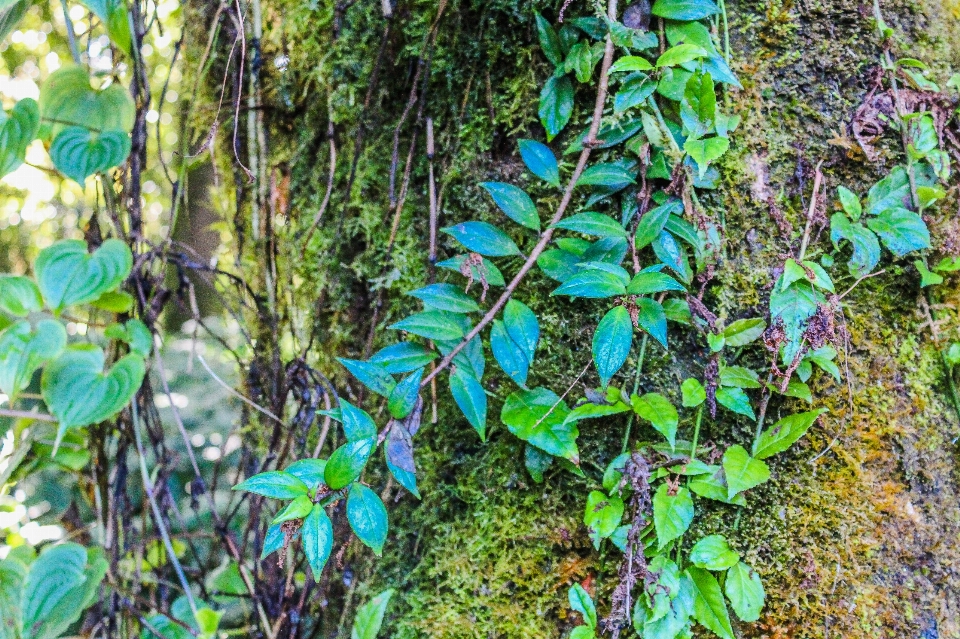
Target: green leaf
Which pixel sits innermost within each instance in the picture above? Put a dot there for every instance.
(795, 306)
(275, 484)
(693, 392)
(317, 535)
(784, 433)
(684, 9)
(486, 271)
(712, 485)
(399, 454)
(556, 105)
(657, 409)
(79, 393)
(60, 584)
(373, 376)
(515, 203)
(445, 297)
(273, 540)
(309, 471)
(113, 15)
(540, 160)
(12, 574)
(67, 99)
(367, 516)
(633, 92)
(672, 514)
(68, 275)
(403, 357)
(850, 203)
(581, 61)
(592, 284)
(652, 319)
(20, 126)
(610, 174)
(927, 277)
(900, 230)
(370, 616)
(795, 388)
(611, 342)
(590, 410)
(403, 399)
(23, 349)
(743, 472)
(631, 63)
(698, 109)
(558, 264)
(602, 515)
(652, 222)
(590, 223)
(744, 331)
(470, 397)
(706, 151)
(347, 462)
(19, 296)
(614, 472)
(708, 605)
(893, 191)
(866, 248)
(508, 354)
(538, 416)
(135, 334)
(583, 603)
(522, 327)
(537, 462)
(736, 400)
(297, 509)
(681, 54)
(549, 41)
(713, 553)
(745, 591)
(357, 423)
(669, 251)
(483, 238)
(11, 12)
(644, 283)
(79, 153)
(739, 377)
(436, 325)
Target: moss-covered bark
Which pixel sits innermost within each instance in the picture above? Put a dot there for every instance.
(856, 536)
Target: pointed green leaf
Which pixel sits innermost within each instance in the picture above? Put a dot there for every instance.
(611, 343)
(403, 399)
(483, 238)
(745, 592)
(713, 553)
(540, 160)
(367, 516)
(784, 433)
(373, 376)
(556, 105)
(470, 397)
(275, 484)
(708, 605)
(68, 275)
(317, 535)
(657, 409)
(515, 203)
(445, 297)
(436, 325)
(672, 514)
(347, 462)
(538, 416)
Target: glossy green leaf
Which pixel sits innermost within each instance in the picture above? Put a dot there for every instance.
(611, 174)
(404, 397)
(19, 296)
(708, 605)
(470, 397)
(536, 462)
(23, 349)
(522, 327)
(684, 9)
(713, 553)
(549, 41)
(369, 617)
(538, 416)
(735, 399)
(745, 591)
(357, 423)
(892, 191)
(611, 343)
(706, 151)
(19, 126)
(113, 15)
(583, 603)
(657, 409)
(60, 584)
(486, 271)
(581, 60)
(558, 264)
(672, 513)
(652, 318)
(645, 283)
(744, 331)
(68, 275)
(403, 357)
(739, 377)
(297, 509)
(483, 238)
(633, 92)
(681, 54)
(275, 484)
(794, 306)
(556, 105)
(693, 392)
(602, 515)
(927, 277)
(273, 541)
(698, 109)
(850, 203)
(398, 451)
(515, 203)
(436, 325)
(317, 535)
(712, 485)
(743, 471)
(309, 471)
(866, 247)
(508, 354)
(67, 99)
(347, 462)
(79, 153)
(540, 160)
(901, 231)
(652, 222)
(670, 252)
(592, 284)
(373, 376)
(367, 516)
(784, 433)
(590, 223)
(445, 297)
(631, 63)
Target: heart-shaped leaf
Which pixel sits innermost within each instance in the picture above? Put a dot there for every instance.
(78, 153)
(67, 99)
(19, 295)
(18, 128)
(68, 275)
(79, 393)
(23, 349)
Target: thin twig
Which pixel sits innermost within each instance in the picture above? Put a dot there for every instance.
(236, 394)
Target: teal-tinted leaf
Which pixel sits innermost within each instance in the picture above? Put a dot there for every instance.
(558, 264)
(445, 297)
(850, 203)
(436, 325)
(614, 269)
(582, 603)
(79, 153)
(403, 357)
(540, 160)
(371, 375)
(652, 222)
(795, 306)
(508, 354)
(653, 282)
(739, 377)
(67, 99)
(669, 251)
(681, 54)
(602, 515)
(515, 203)
(823, 357)
(718, 68)
(657, 409)
(483, 238)
(743, 471)
(742, 332)
(68, 275)
(684, 9)
(745, 591)
(706, 151)
(60, 584)
(708, 605)
(652, 319)
(357, 423)
(399, 453)
(592, 284)
(78, 392)
(900, 230)
(470, 397)
(309, 471)
(275, 484)
(486, 271)
(522, 327)
(672, 514)
(370, 616)
(713, 553)
(611, 342)
(549, 41)
(590, 223)
(538, 416)
(20, 126)
(608, 249)
(404, 397)
(614, 472)
(537, 462)
(736, 400)
(19, 296)
(634, 91)
(685, 231)
(317, 534)
(784, 433)
(297, 509)
(866, 248)
(273, 540)
(23, 349)
(367, 516)
(693, 393)
(611, 174)
(113, 15)
(556, 105)
(893, 191)
(347, 462)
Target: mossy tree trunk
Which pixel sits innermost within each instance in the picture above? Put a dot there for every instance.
(856, 536)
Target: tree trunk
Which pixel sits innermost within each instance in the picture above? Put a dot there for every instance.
(856, 534)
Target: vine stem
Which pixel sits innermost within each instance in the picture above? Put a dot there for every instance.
(545, 238)
(26, 414)
(636, 388)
